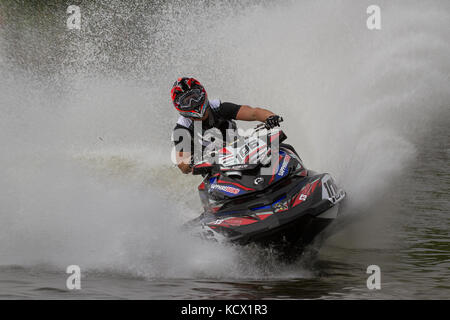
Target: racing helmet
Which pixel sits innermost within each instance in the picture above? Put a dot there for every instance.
(189, 97)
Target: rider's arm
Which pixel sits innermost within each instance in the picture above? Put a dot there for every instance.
(248, 113)
(182, 139)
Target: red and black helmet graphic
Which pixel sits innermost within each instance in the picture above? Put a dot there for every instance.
(189, 97)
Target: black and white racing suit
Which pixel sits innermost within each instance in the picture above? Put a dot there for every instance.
(221, 116)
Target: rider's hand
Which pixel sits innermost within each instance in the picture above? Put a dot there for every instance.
(185, 167)
(184, 160)
(272, 121)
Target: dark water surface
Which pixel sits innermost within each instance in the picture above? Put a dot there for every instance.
(414, 262)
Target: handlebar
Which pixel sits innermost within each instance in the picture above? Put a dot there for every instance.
(263, 125)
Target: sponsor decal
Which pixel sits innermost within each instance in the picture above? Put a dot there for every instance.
(282, 170)
(232, 222)
(305, 192)
(280, 207)
(218, 221)
(228, 189)
(258, 180)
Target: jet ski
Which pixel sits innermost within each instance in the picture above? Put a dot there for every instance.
(257, 190)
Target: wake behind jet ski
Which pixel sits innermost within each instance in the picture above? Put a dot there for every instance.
(257, 190)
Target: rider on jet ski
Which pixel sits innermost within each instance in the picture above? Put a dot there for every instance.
(191, 101)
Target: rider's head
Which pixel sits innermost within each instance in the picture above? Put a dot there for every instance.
(189, 98)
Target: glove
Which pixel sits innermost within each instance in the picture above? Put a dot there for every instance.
(273, 121)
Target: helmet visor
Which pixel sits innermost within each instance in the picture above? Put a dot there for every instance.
(192, 100)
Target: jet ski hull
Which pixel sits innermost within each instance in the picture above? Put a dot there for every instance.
(291, 217)
(284, 205)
